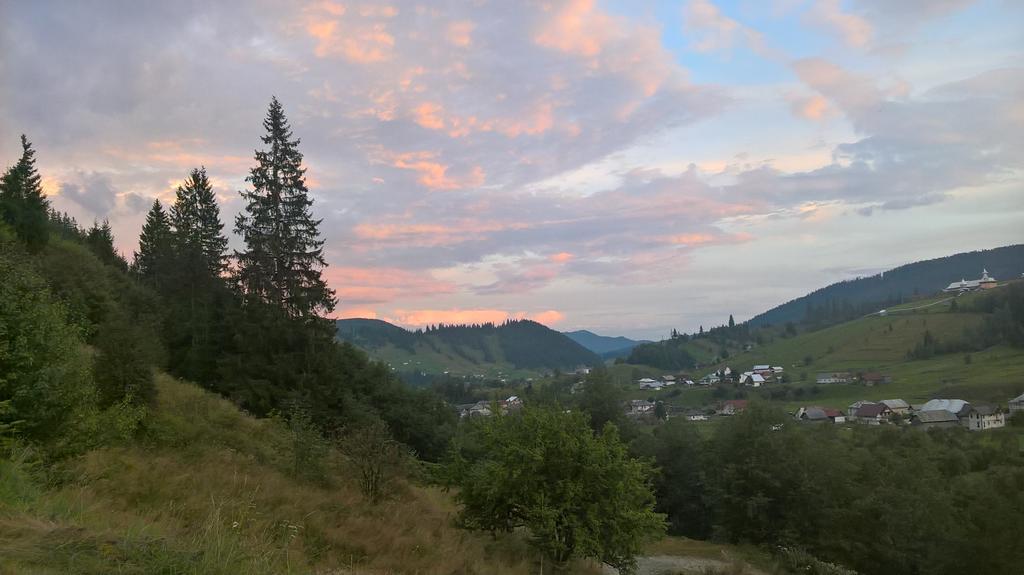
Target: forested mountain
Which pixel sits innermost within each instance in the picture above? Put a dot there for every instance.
(854, 297)
(602, 344)
(517, 344)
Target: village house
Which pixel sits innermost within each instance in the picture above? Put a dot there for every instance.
(709, 379)
(872, 413)
(669, 379)
(820, 415)
(897, 406)
(1017, 404)
(762, 369)
(753, 379)
(875, 378)
(853, 407)
(833, 377)
(648, 383)
(935, 418)
(582, 370)
(982, 417)
(957, 407)
(639, 407)
(733, 407)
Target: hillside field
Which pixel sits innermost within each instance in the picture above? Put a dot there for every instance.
(209, 490)
(876, 343)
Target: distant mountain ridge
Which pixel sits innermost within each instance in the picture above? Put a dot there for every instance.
(918, 278)
(515, 344)
(602, 344)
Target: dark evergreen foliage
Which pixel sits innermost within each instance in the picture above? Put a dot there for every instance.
(154, 260)
(283, 256)
(23, 205)
(523, 343)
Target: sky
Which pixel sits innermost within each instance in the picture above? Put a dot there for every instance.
(627, 167)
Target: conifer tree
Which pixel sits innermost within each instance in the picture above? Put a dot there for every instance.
(283, 257)
(196, 294)
(198, 231)
(153, 261)
(732, 322)
(100, 239)
(23, 204)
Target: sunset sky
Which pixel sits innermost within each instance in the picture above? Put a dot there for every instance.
(625, 167)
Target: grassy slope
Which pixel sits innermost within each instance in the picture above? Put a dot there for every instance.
(207, 491)
(439, 357)
(994, 375)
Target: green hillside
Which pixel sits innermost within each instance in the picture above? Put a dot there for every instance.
(972, 369)
(206, 489)
(517, 348)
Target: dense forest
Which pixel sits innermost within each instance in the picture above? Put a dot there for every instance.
(523, 344)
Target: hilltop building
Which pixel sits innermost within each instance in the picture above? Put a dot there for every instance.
(985, 282)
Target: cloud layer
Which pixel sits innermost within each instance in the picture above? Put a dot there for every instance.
(478, 159)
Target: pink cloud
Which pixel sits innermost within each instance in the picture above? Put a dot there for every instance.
(450, 233)
(575, 28)
(355, 285)
(855, 30)
(561, 257)
(813, 107)
(422, 317)
(460, 33)
(363, 40)
(434, 175)
(429, 115)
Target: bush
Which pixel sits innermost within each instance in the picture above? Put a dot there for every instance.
(44, 367)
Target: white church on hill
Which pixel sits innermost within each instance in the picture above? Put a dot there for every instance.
(985, 282)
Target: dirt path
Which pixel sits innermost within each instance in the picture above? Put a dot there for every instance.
(676, 565)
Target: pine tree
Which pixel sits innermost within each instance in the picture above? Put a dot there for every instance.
(283, 257)
(153, 261)
(23, 204)
(732, 322)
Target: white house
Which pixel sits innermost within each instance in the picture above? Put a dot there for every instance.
(833, 377)
(648, 383)
(640, 407)
(982, 417)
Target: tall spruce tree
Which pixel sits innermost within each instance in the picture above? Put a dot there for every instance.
(197, 292)
(23, 204)
(283, 257)
(154, 260)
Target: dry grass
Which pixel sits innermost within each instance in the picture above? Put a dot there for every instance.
(207, 491)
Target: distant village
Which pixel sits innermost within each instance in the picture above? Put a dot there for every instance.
(934, 413)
